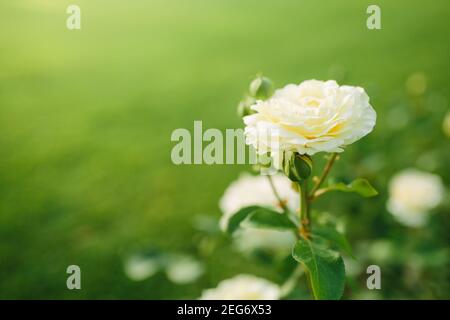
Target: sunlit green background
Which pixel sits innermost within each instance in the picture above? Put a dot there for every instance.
(86, 117)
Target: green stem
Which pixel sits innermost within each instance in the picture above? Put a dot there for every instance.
(277, 195)
(318, 193)
(324, 175)
(305, 222)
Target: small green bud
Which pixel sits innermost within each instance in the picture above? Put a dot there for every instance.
(297, 167)
(303, 165)
(287, 168)
(244, 105)
(261, 88)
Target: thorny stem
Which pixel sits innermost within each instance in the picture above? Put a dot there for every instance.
(304, 229)
(324, 175)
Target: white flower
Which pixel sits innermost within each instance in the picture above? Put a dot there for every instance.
(250, 239)
(243, 287)
(311, 117)
(184, 269)
(140, 268)
(412, 194)
(256, 190)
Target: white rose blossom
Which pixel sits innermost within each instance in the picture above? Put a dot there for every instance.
(243, 287)
(412, 194)
(314, 116)
(256, 190)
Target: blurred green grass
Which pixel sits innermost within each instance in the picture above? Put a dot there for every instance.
(86, 118)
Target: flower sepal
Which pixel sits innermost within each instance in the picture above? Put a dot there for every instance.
(297, 167)
(261, 88)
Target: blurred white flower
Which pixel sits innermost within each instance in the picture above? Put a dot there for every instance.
(412, 194)
(256, 190)
(250, 239)
(139, 268)
(243, 287)
(446, 124)
(311, 117)
(184, 269)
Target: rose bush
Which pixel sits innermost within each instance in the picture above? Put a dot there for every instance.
(291, 125)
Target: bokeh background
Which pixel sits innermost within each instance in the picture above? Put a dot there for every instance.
(86, 118)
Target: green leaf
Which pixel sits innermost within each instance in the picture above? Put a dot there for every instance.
(266, 218)
(326, 269)
(360, 186)
(259, 217)
(236, 219)
(330, 233)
